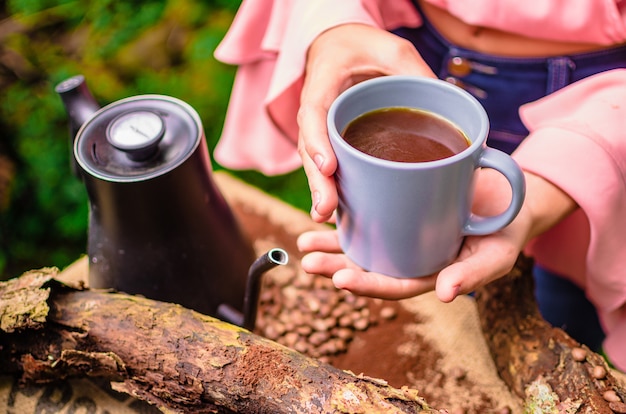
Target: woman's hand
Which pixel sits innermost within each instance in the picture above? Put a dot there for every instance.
(339, 58)
(481, 259)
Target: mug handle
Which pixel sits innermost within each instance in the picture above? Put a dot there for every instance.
(492, 158)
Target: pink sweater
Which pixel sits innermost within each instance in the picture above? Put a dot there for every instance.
(577, 137)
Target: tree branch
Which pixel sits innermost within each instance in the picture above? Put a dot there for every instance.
(172, 357)
(541, 363)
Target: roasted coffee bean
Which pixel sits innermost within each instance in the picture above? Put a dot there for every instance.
(598, 372)
(318, 338)
(301, 346)
(325, 310)
(362, 323)
(328, 348)
(618, 407)
(274, 310)
(340, 345)
(345, 321)
(360, 303)
(296, 316)
(343, 333)
(611, 396)
(304, 330)
(289, 326)
(319, 283)
(274, 331)
(388, 313)
(323, 325)
(304, 281)
(291, 295)
(341, 310)
(579, 354)
(266, 296)
(333, 299)
(324, 359)
(313, 304)
(290, 339)
(283, 276)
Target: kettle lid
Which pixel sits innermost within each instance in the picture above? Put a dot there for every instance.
(138, 138)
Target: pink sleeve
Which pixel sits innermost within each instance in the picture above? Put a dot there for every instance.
(269, 40)
(578, 142)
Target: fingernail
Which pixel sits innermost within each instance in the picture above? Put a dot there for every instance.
(455, 291)
(317, 198)
(319, 161)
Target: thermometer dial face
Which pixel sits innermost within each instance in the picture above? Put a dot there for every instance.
(135, 130)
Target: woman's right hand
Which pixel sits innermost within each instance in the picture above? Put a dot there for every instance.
(337, 59)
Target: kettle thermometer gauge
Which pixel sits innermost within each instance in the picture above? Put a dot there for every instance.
(137, 133)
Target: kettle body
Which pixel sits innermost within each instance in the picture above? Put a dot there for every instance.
(158, 224)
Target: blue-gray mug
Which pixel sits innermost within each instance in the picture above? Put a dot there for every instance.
(409, 219)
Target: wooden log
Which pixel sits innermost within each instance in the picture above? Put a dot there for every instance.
(541, 363)
(172, 357)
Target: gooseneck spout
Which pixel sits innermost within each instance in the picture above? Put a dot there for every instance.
(269, 260)
(78, 100)
(247, 319)
(79, 104)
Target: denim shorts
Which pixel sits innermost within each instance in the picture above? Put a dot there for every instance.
(502, 85)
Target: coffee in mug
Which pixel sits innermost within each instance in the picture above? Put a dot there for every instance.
(405, 135)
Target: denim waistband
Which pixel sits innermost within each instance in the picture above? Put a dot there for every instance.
(503, 84)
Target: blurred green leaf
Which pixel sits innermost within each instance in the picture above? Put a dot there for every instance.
(123, 48)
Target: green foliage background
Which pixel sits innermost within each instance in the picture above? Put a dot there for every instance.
(123, 48)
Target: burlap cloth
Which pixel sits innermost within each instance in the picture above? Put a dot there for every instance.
(461, 372)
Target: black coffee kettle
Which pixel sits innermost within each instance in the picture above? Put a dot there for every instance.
(158, 225)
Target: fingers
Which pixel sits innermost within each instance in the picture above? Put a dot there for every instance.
(337, 59)
(324, 253)
(325, 264)
(482, 260)
(376, 285)
(461, 277)
(323, 241)
(325, 258)
(318, 92)
(322, 186)
(346, 275)
(318, 157)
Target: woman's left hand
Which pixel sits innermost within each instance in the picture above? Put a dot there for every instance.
(481, 259)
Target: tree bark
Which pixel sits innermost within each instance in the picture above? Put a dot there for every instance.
(172, 357)
(182, 361)
(541, 363)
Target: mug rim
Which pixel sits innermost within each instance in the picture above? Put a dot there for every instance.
(475, 145)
